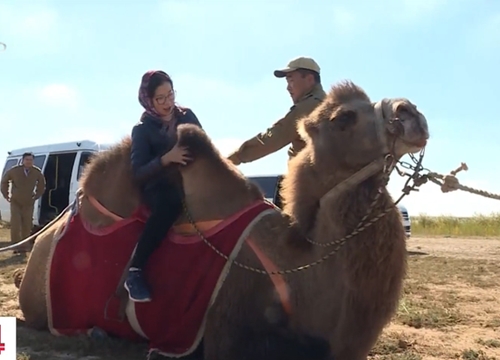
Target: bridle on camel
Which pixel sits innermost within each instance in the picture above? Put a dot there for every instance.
(387, 164)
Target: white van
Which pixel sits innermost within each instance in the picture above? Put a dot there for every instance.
(62, 165)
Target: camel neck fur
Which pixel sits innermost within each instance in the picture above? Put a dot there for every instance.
(350, 206)
(306, 184)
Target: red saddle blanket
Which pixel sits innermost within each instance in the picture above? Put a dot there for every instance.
(183, 273)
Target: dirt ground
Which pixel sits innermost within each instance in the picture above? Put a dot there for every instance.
(449, 310)
(471, 248)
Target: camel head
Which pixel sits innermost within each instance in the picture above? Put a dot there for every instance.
(347, 129)
(406, 128)
(344, 130)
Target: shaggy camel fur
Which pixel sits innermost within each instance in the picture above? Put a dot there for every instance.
(368, 270)
(340, 306)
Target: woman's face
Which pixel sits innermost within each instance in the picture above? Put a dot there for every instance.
(164, 99)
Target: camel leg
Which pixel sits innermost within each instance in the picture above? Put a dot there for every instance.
(32, 291)
(244, 329)
(353, 339)
(273, 343)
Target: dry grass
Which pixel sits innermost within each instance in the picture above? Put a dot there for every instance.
(449, 310)
(484, 226)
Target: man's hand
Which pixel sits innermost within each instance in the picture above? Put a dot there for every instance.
(234, 158)
(7, 198)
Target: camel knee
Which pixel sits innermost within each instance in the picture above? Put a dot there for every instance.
(33, 308)
(36, 323)
(271, 343)
(355, 340)
(34, 316)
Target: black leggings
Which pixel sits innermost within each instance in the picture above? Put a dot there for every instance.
(165, 202)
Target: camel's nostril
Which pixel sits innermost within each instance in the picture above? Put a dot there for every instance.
(422, 131)
(422, 126)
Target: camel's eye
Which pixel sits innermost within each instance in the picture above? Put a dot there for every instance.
(345, 119)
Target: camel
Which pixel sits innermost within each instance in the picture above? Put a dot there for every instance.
(334, 308)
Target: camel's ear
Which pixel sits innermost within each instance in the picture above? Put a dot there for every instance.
(344, 119)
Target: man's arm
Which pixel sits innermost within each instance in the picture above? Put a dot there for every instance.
(40, 185)
(5, 184)
(273, 139)
(276, 137)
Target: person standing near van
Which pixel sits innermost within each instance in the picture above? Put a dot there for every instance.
(28, 185)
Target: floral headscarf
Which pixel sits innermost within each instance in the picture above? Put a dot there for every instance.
(144, 99)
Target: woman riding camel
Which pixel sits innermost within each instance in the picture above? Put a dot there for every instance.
(154, 147)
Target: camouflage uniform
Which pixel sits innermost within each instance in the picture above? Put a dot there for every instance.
(284, 131)
(22, 199)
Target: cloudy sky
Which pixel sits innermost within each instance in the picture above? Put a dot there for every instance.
(72, 69)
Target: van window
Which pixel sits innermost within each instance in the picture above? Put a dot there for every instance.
(84, 160)
(39, 160)
(267, 184)
(9, 164)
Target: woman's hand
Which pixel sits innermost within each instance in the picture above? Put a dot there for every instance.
(177, 155)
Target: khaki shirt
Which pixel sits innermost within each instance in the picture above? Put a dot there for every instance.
(23, 185)
(281, 133)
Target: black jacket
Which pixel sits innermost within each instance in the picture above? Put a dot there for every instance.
(150, 141)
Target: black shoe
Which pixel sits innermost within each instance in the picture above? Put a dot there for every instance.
(136, 286)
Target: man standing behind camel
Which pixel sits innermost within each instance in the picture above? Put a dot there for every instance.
(304, 85)
(23, 178)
